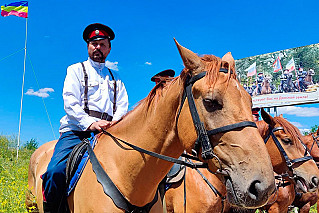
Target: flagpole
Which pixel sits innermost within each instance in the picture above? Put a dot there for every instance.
(25, 54)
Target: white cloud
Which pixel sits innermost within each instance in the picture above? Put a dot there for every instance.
(297, 124)
(148, 63)
(299, 111)
(43, 93)
(112, 65)
(304, 130)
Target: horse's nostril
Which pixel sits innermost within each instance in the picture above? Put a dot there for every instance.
(255, 189)
(315, 181)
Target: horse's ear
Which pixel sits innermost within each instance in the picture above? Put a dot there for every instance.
(267, 118)
(191, 61)
(318, 131)
(229, 59)
(281, 116)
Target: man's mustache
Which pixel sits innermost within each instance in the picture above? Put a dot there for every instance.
(97, 51)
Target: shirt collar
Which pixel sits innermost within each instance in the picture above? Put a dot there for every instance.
(96, 65)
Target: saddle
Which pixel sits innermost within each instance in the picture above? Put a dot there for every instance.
(176, 173)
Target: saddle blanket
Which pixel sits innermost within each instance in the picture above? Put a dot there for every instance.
(79, 169)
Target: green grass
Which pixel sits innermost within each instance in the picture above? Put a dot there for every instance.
(313, 209)
(13, 177)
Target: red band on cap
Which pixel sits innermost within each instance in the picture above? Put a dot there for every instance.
(98, 33)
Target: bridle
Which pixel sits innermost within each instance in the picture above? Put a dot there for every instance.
(290, 163)
(315, 140)
(203, 141)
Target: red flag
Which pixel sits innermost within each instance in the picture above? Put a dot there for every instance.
(277, 65)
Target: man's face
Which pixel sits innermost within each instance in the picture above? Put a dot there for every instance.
(255, 117)
(98, 50)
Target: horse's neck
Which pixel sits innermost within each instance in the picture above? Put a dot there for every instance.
(308, 78)
(152, 128)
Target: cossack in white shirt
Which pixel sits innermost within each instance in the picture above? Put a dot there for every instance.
(100, 95)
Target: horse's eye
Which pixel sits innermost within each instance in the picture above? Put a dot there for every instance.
(211, 105)
(287, 141)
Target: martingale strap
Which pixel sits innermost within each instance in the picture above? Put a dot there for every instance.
(110, 188)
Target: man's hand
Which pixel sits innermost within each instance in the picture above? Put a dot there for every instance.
(99, 125)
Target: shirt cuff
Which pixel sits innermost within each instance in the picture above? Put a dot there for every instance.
(86, 123)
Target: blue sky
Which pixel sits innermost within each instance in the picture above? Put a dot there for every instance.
(142, 47)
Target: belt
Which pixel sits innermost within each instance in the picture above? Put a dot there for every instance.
(101, 115)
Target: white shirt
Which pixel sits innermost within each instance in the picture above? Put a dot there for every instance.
(100, 95)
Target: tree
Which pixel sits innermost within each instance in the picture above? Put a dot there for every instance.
(312, 130)
(32, 144)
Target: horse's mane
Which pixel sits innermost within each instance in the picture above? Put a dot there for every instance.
(288, 127)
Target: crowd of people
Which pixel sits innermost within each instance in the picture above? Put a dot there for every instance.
(288, 83)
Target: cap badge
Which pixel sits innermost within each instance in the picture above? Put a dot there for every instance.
(97, 32)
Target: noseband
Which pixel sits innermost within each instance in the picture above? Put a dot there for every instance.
(289, 163)
(203, 134)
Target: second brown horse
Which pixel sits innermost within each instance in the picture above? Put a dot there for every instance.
(200, 198)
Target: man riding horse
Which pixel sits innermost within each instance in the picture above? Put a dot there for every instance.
(286, 84)
(94, 99)
(301, 79)
(260, 79)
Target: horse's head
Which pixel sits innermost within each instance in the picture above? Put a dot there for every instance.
(288, 154)
(223, 107)
(310, 72)
(312, 142)
(267, 81)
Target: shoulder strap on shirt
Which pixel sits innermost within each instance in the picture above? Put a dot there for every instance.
(114, 103)
(86, 103)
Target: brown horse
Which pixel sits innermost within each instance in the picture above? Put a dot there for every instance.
(312, 142)
(38, 165)
(156, 125)
(286, 134)
(308, 78)
(306, 200)
(266, 89)
(286, 195)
